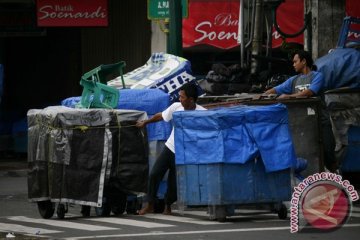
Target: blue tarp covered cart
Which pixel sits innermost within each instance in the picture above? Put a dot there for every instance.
(231, 156)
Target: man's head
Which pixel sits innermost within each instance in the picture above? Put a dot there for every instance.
(301, 60)
(188, 96)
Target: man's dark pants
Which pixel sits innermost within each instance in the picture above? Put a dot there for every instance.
(165, 162)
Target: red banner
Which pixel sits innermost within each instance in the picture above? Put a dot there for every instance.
(79, 13)
(216, 23)
(353, 10)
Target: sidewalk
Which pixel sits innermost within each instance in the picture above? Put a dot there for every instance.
(11, 166)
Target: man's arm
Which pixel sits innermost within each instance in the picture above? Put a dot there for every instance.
(285, 87)
(305, 93)
(156, 118)
(314, 89)
(271, 91)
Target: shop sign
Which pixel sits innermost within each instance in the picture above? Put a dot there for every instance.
(159, 9)
(72, 13)
(218, 24)
(213, 23)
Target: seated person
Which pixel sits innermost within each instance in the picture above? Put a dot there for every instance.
(307, 83)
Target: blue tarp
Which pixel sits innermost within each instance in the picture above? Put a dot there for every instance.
(235, 135)
(341, 68)
(151, 101)
(70, 102)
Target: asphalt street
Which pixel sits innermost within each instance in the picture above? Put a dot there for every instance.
(21, 218)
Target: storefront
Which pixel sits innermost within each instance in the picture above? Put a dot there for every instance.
(46, 46)
(212, 35)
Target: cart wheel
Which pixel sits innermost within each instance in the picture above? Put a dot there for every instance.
(46, 209)
(103, 211)
(85, 211)
(60, 211)
(220, 213)
(221, 219)
(133, 206)
(282, 213)
(119, 205)
(217, 213)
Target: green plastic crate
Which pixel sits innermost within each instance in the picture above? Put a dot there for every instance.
(107, 72)
(96, 94)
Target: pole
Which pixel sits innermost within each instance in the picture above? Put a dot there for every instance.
(174, 44)
(241, 33)
(256, 43)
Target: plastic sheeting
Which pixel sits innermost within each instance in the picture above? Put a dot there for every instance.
(74, 155)
(162, 71)
(70, 102)
(344, 111)
(340, 68)
(151, 101)
(235, 135)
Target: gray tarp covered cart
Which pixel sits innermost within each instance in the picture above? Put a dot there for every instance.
(83, 155)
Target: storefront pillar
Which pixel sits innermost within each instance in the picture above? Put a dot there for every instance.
(174, 43)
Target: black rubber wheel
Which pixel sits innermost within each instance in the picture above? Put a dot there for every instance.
(85, 211)
(282, 213)
(60, 211)
(118, 205)
(104, 210)
(133, 206)
(220, 213)
(46, 209)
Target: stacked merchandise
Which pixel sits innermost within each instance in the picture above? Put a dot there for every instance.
(162, 71)
(225, 80)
